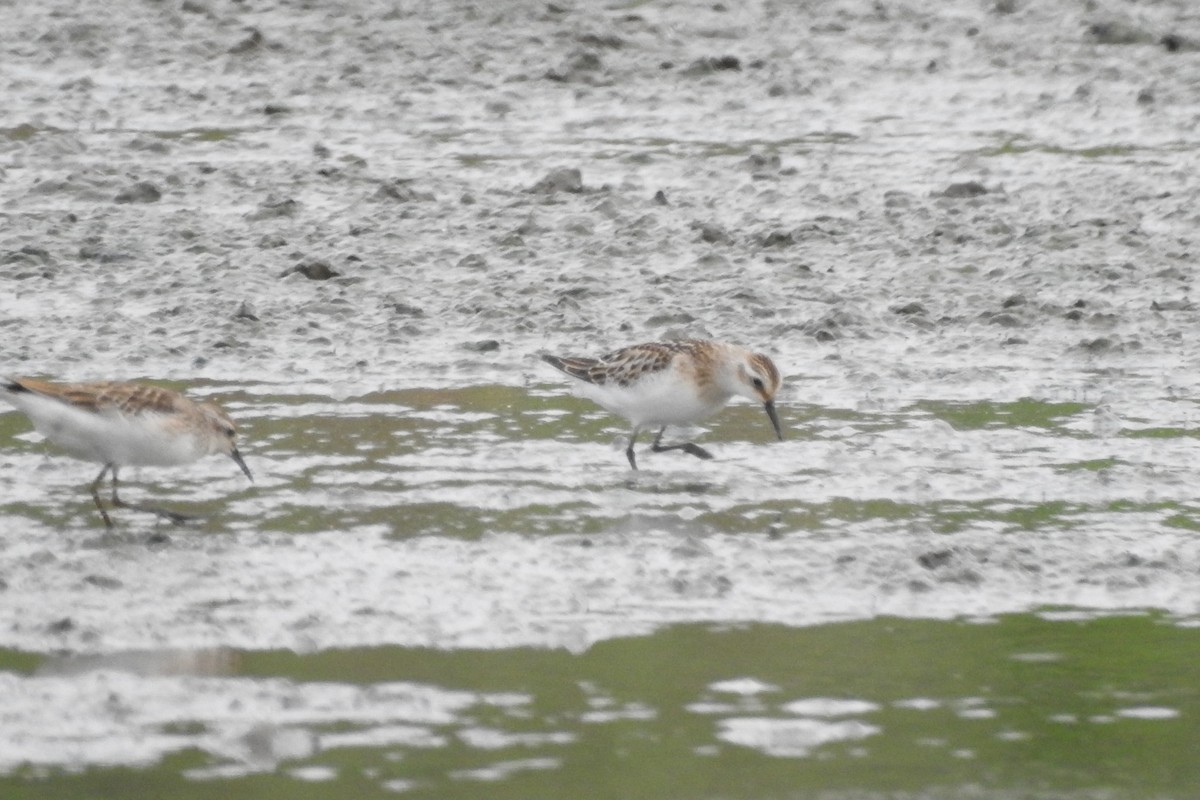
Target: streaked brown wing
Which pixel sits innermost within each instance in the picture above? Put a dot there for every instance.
(128, 398)
(629, 364)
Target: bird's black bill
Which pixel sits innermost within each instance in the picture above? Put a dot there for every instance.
(236, 456)
(770, 407)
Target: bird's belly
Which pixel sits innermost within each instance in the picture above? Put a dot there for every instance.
(154, 448)
(110, 439)
(656, 403)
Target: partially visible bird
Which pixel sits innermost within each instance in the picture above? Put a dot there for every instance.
(673, 383)
(121, 424)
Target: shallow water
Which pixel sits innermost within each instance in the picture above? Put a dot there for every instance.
(428, 589)
(965, 231)
(1048, 705)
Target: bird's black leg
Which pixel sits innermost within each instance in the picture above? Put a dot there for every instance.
(108, 523)
(629, 450)
(687, 447)
(175, 517)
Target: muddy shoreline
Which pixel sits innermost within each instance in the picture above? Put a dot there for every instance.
(966, 232)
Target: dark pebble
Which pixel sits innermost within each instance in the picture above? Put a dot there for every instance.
(51, 186)
(252, 42)
(761, 164)
(579, 67)
(246, 312)
(1176, 43)
(935, 558)
(1171, 305)
(472, 261)
(1116, 32)
(713, 234)
(406, 310)
(482, 346)
(398, 190)
(674, 318)
(102, 582)
(566, 179)
(607, 40)
(777, 239)
(711, 64)
(966, 189)
(274, 207)
(149, 145)
(28, 254)
(313, 269)
(1003, 320)
(140, 192)
(529, 227)
(94, 251)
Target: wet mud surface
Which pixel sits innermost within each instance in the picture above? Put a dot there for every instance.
(966, 233)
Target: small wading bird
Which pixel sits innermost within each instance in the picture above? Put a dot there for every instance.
(673, 383)
(124, 424)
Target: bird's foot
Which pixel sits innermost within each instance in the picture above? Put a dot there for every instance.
(174, 517)
(687, 447)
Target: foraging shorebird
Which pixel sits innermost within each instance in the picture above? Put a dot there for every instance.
(673, 383)
(124, 424)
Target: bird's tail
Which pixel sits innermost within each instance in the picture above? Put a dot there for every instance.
(580, 368)
(11, 385)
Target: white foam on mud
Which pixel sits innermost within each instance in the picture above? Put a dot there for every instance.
(348, 589)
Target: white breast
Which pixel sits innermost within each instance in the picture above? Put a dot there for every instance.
(107, 437)
(660, 399)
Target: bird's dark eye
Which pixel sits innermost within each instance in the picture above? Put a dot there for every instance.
(757, 383)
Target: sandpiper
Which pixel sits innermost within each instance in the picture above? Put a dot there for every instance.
(121, 424)
(673, 383)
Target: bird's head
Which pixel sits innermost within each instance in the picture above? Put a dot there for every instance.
(759, 379)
